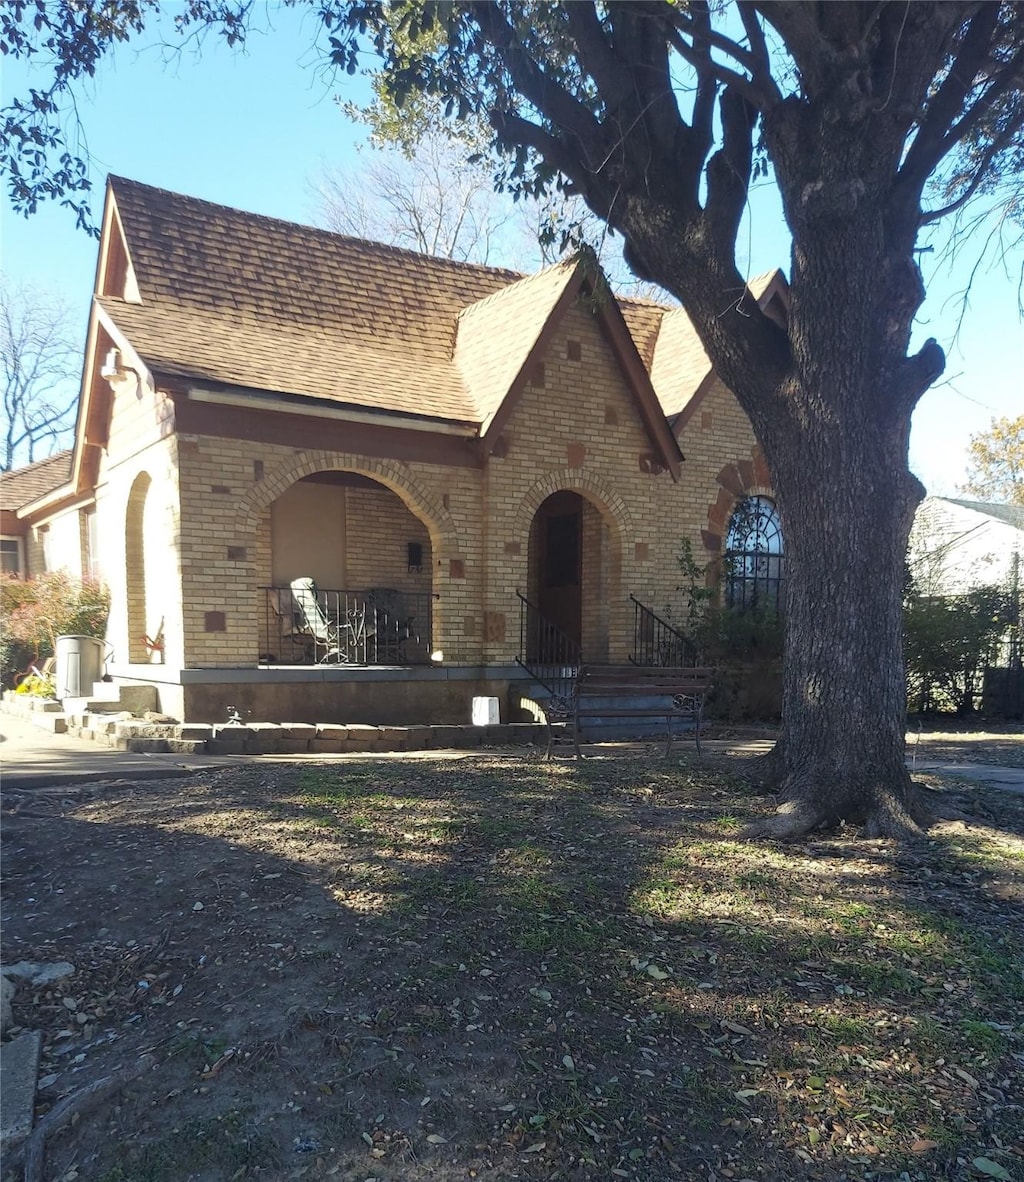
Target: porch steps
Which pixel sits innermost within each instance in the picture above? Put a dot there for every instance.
(110, 697)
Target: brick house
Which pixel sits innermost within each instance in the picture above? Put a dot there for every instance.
(431, 443)
(21, 548)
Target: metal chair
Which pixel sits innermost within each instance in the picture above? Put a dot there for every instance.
(341, 635)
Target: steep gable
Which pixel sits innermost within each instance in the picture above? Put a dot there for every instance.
(524, 317)
(681, 370)
(496, 336)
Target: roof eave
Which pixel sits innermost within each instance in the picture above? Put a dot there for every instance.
(223, 394)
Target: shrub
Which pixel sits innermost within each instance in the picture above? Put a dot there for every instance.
(948, 640)
(34, 612)
(744, 646)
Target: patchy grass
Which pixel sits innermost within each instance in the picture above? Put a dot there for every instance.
(496, 968)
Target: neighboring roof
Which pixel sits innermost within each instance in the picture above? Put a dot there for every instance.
(680, 366)
(20, 486)
(1010, 514)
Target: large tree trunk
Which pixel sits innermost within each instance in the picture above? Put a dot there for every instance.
(847, 503)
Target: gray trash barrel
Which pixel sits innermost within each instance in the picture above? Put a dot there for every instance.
(79, 664)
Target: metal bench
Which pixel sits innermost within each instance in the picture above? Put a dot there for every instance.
(639, 692)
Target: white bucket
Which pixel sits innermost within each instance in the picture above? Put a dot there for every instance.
(485, 711)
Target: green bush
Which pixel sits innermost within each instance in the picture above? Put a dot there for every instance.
(34, 612)
(744, 647)
(948, 641)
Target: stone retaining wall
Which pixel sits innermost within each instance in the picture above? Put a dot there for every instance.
(127, 733)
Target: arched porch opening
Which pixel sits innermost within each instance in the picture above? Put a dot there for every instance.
(349, 575)
(136, 589)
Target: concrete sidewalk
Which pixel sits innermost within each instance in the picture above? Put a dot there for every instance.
(31, 757)
(1010, 779)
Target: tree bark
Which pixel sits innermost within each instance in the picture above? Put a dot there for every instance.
(847, 503)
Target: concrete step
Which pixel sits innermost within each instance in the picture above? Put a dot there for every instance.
(110, 697)
(50, 721)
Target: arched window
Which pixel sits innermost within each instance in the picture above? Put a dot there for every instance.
(754, 557)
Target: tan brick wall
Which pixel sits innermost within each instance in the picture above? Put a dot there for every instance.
(139, 543)
(209, 512)
(378, 527)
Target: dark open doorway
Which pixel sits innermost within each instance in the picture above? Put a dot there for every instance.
(560, 562)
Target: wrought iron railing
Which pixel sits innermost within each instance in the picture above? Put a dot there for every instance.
(303, 624)
(656, 642)
(550, 656)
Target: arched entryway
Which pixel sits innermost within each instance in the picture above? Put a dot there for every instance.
(574, 568)
(349, 571)
(136, 582)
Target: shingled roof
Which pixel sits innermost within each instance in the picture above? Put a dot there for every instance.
(21, 486)
(251, 301)
(234, 298)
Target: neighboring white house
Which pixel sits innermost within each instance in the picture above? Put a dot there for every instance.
(956, 546)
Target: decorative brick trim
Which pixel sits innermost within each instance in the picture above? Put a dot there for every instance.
(391, 474)
(744, 478)
(579, 480)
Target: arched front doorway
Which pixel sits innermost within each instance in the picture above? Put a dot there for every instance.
(574, 570)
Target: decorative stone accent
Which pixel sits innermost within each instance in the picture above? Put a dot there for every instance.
(494, 627)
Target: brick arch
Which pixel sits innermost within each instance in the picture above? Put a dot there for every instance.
(572, 480)
(744, 478)
(390, 473)
(135, 566)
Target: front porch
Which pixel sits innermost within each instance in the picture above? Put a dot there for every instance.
(334, 693)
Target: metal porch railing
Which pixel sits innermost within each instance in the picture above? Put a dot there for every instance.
(656, 642)
(550, 656)
(319, 626)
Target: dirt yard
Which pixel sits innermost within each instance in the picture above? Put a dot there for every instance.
(489, 967)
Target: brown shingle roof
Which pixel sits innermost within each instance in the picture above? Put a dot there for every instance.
(237, 298)
(253, 301)
(496, 334)
(23, 485)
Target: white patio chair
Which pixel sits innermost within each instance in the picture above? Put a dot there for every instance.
(343, 637)
(326, 633)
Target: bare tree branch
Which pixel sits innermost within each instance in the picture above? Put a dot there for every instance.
(39, 362)
(993, 150)
(928, 147)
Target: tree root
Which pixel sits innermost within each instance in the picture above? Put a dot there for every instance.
(792, 819)
(884, 815)
(765, 772)
(34, 1149)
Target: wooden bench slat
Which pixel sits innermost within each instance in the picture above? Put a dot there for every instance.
(681, 692)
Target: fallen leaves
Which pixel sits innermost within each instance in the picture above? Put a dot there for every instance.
(531, 976)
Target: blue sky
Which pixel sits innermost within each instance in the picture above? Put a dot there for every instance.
(253, 129)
